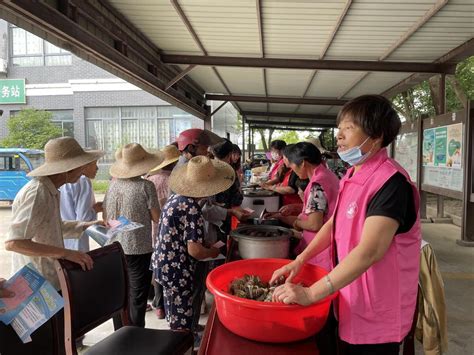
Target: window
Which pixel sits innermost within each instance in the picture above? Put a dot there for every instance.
(64, 120)
(108, 128)
(28, 50)
(61, 118)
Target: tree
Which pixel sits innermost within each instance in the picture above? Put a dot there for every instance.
(290, 137)
(328, 140)
(30, 128)
(418, 101)
(266, 141)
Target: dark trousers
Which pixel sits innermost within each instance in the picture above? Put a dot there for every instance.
(199, 289)
(370, 349)
(46, 340)
(139, 276)
(158, 295)
(327, 337)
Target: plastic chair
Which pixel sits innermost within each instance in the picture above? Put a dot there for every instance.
(92, 297)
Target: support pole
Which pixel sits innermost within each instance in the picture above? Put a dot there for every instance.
(250, 143)
(243, 139)
(438, 94)
(419, 174)
(467, 228)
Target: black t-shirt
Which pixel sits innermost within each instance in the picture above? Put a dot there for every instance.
(295, 182)
(395, 200)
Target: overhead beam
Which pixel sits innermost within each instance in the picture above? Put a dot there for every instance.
(320, 64)
(198, 42)
(288, 115)
(289, 128)
(67, 27)
(414, 28)
(327, 45)
(218, 108)
(290, 124)
(277, 99)
(457, 55)
(180, 76)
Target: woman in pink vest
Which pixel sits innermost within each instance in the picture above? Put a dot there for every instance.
(374, 236)
(319, 197)
(278, 169)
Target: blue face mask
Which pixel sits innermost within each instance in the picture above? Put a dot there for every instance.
(354, 156)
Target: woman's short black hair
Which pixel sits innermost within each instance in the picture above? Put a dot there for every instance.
(303, 151)
(222, 149)
(278, 144)
(375, 115)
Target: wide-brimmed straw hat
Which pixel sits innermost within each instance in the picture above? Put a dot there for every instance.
(133, 160)
(62, 155)
(202, 177)
(171, 154)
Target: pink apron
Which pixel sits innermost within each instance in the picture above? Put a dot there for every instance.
(378, 306)
(330, 184)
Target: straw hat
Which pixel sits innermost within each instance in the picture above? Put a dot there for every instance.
(171, 154)
(64, 154)
(132, 160)
(202, 177)
(317, 143)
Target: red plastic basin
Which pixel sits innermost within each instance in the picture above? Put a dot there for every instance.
(266, 321)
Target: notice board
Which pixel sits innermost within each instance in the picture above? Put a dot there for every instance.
(442, 156)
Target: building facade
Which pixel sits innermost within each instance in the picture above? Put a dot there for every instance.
(98, 109)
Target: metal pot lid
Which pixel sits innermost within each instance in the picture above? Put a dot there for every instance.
(253, 232)
(257, 193)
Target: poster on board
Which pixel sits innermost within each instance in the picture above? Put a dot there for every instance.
(442, 157)
(442, 146)
(428, 147)
(454, 144)
(441, 134)
(406, 152)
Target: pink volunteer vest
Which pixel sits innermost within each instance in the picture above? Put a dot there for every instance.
(378, 306)
(275, 168)
(330, 184)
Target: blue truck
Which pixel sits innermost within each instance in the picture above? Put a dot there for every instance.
(15, 164)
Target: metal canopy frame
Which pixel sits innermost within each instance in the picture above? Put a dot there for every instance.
(285, 63)
(120, 48)
(97, 32)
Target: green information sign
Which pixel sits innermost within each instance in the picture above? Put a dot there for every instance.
(441, 135)
(12, 91)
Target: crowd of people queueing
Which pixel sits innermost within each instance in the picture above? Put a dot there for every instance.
(364, 229)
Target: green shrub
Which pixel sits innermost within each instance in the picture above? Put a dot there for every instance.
(100, 186)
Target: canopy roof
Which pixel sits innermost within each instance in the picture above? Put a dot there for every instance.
(285, 61)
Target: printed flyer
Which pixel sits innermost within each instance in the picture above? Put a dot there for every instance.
(35, 302)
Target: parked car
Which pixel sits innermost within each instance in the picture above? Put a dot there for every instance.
(15, 164)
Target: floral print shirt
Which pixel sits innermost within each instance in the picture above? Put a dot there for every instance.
(317, 200)
(181, 222)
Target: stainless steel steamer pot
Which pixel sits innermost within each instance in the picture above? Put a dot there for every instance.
(251, 247)
(259, 199)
